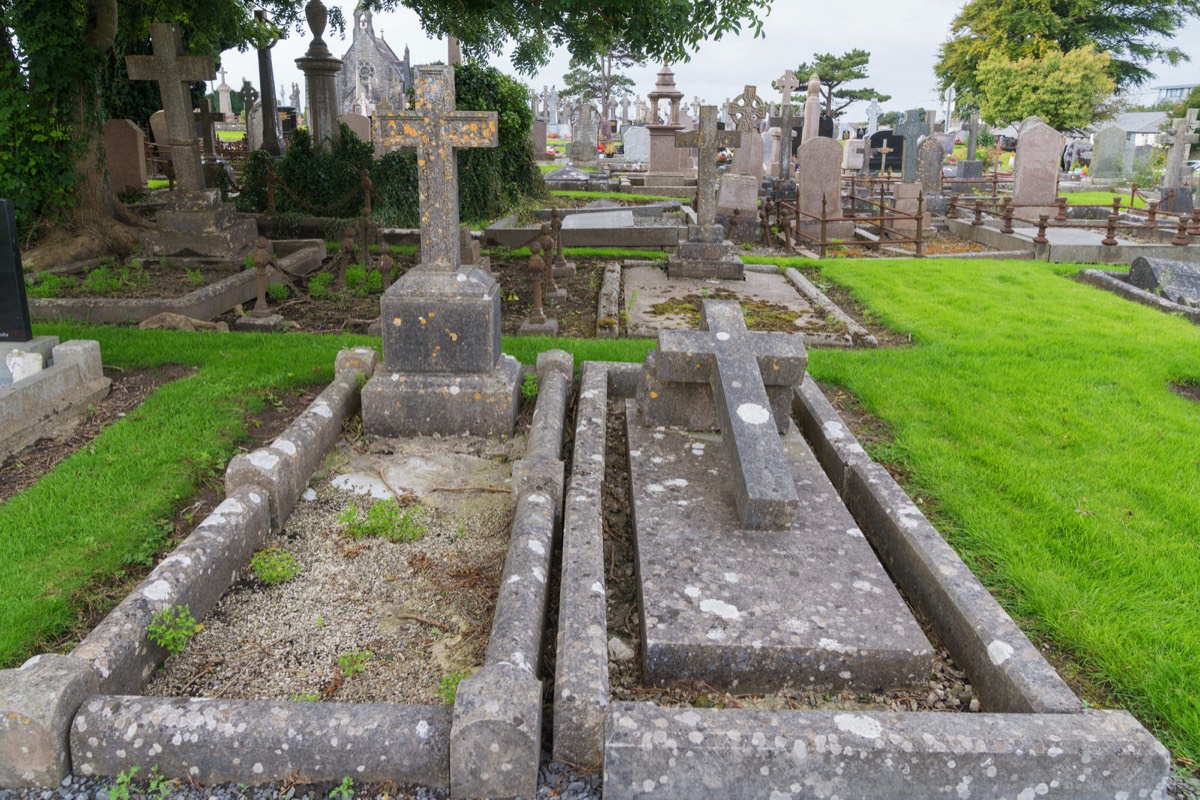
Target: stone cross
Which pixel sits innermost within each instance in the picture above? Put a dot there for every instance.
(625, 110)
(912, 129)
(873, 112)
(207, 117)
(436, 130)
(972, 137)
(708, 141)
(739, 365)
(174, 71)
(1181, 139)
(787, 84)
(748, 109)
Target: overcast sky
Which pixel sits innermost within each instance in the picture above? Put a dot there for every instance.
(902, 37)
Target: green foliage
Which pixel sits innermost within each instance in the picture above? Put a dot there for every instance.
(1067, 90)
(305, 697)
(108, 278)
(252, 192)
(386, 519)
(310, 180)
(835, 72)
(448, 688)
(1134, 33)
(599, 78)
(985, 139)
(344, 790)
(171, 628)
(363, 282)
(278, 292)
(274, 565)
(354, 662)
(318, 286)
(121, 788)
(195, 276)
(49, 286)
(529, 387)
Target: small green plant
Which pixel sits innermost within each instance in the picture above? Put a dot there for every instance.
(248, 261)
(172, 627)
(159, 785)
(120, 790)
(356, 277)
(195, 277)
(385, 519)
(529, 387)
(305, 697)
(49, 286)
(274, 566)
(373, 284)
(354, 662)
(100, 280)
(344, 790)
(278, 292)
(318, 286)
(448, 688)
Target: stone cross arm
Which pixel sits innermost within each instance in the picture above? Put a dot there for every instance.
(739, 365)
(718, 139)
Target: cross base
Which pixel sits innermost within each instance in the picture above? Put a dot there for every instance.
(707, 259)
(424, 404)
(198, 225)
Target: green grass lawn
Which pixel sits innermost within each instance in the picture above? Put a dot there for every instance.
(231, 136)
(1036, 414)
(1101, 199)
(157, 183)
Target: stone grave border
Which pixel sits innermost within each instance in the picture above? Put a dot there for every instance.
(989, 235)
(1035, 728)
(81, 712)
(1118, 283)
(299, 257)
(503, 232)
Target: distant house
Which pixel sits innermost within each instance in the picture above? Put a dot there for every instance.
(371, 70)
(1141, 127)
(1173, 94)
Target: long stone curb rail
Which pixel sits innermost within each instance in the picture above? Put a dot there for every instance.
(1116, 283)
(858, 334)
(581, 658)
(496, 734)
(1007, 671)
(608, 304)
(249, 741)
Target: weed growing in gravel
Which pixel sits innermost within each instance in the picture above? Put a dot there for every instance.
(448, 689)
(278, 292)
(529, 387)
(385, 519)
(172, 627)
(120, 789)
(305, 697)
(195, 277)
(318, 286)
(274, 565)
(344, 790)
(354, 662)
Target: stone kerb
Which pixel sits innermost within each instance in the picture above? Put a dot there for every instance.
(496, 732)
(38, 701)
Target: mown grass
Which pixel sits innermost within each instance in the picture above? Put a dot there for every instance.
(1101, 199)
(552, 167)
(231, 136)
(1038, 414)
(109, 505)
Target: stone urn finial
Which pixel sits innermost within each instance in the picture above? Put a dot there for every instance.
(318, 17)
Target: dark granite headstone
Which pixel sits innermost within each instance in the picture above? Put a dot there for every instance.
(14, 309)
(895, 159)
(1177, 281)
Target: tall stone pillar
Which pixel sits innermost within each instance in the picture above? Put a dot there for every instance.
(320, 70)
(266, 79)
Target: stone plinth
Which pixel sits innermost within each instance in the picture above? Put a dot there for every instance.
(198, 225)
(706, 254)
(664, 157)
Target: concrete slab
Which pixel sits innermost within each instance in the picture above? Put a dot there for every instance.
(646, 286)
(759, 611)
(615, 218)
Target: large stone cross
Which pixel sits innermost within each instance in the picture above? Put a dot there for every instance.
(912, 129)
(436, 130)
(739, 365)
(972, 137)
(174, 71)
(1181, 140)
(747, 109)
(708, 141)
(787, 83)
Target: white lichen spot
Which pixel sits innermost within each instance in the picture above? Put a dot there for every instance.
(859, 725)
(309, 495)
(655, 488)
(454, 389)
(514, 578)
(753, 414)
(722, 336)
(263, 459)
(964, 787)
(537, 547)
(675, 483)
(855, 532)
(158, 591)
(720, 608)
(836, 646)
(730, 577)
(716, 635)
(322, 409)
(589, 394)
(863, 586)
(796, 625)
(597, 589)
(999, 652)
(257, 768)
(691, 591)
(695, 737)
(834, 430)
(845, 675)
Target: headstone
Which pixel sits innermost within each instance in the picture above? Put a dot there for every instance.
(873, 112)
(320, 70)
(14, 308)
(1108, 154)
(852, 155)
(812, 110)
(125, 154)
(929, 164)
(1035, 174)
(1177, 281)
(625, 103)
(787, 84)
(819, 182)
(706, 253)
(637, 145)
(254, 125)
(585, 131)
(174, 71)
(746, 111)
(1177, 176)
(946, 140)
(448, 377)
(224, 103)
(971, 168)
(880, 161)
(358, 124)
(910, 130)
(538, 134)
(770, 142)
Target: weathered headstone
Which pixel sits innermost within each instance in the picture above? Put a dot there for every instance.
(1176, 182)
(442, 371)
(852, 154)
(1108, 154)
(971, 168)
(358, 124)
(929, 164)
(14, 308)
(224, 103)
(1177, 281)
(125, 154)
(706, 253)
(787, 84)
(910, 130)
(819, 186)
(746, 111)
(173, 71)
(884, 152)
(637, 145)
(1035, 174)
(585, 131)
(538, 134)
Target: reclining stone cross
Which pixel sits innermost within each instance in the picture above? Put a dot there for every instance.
(436, 130)
(739, 365)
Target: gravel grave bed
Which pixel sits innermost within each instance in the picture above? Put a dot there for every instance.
(366, 619)
(947, 689)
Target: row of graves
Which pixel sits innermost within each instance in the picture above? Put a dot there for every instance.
(766, 555)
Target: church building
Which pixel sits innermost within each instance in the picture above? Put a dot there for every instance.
(371, 70)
